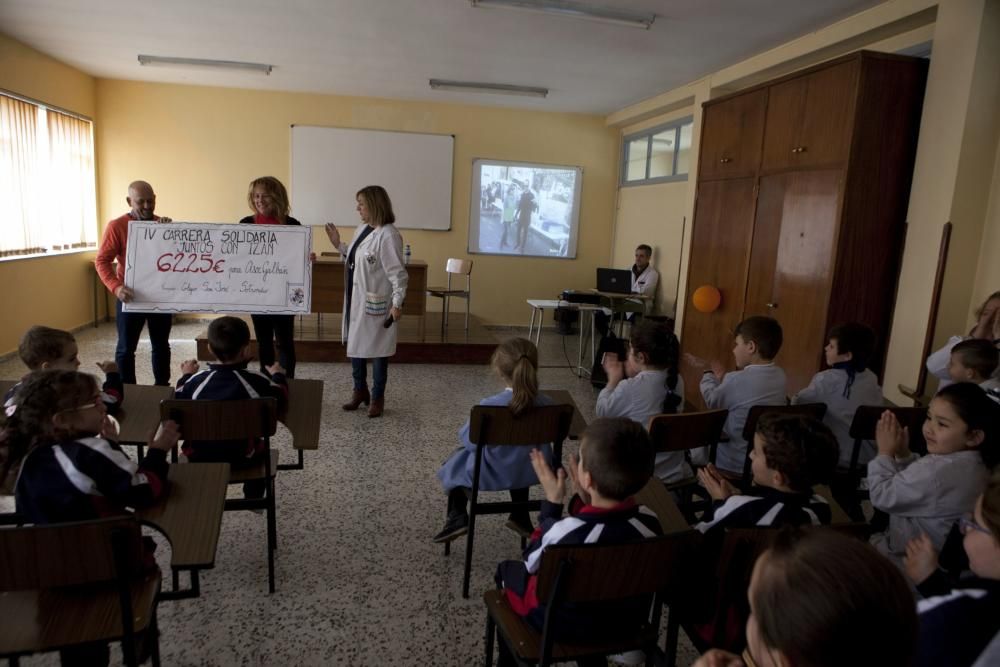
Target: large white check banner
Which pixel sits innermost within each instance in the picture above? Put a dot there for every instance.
(210, 268)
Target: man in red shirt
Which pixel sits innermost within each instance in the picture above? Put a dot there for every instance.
(142, 201)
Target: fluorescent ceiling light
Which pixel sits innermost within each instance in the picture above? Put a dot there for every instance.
(574, 10)
(496, 88)
(201, 62)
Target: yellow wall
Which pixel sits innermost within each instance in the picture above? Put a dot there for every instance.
(654, 215)
(951, 182)
(55, 291)
(201, 146)
(988, 274)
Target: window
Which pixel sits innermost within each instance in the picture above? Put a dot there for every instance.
(48, 200)
(657, 155)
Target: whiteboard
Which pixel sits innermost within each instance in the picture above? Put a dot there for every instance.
(330, 165)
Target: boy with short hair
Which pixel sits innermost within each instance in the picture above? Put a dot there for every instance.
(615, 462)
(229, 379)
(845, 386)
(45, 348)
(790, 455)
(758, 381)
(974, 360)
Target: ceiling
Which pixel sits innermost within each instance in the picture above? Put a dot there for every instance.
(390, 48)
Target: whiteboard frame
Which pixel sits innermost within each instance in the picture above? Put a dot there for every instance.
(343, 214)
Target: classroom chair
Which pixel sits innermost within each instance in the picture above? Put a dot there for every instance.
(236, 420)
(814, 410)
(593, 574)
(497, 426)
(68, 584)
(685, 431)
(716, 617)
(454, 267)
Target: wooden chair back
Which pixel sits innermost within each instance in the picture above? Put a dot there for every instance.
(603, 572)
(814, 410)
(686, 430)
(866, 419)
(497, 425)
(739, 552)
(69, 554)
(223, 420)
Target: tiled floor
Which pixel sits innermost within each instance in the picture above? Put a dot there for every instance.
(359, 581)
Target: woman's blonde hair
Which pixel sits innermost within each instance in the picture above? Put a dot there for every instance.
(378, 203)
(516, 360)
(275, 190)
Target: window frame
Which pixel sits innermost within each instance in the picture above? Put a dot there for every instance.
(71, 248)
(648, 135)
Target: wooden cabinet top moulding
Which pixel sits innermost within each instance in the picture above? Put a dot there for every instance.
(856, 56)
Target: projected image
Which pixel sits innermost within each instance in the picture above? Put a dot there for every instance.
(522, 209)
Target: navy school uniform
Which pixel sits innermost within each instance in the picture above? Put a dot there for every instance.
(89, 478)
(958, 624)
(765, 507)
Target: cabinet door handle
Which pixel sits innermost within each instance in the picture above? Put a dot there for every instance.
(799, 149)
(771, 305)
(725, 160)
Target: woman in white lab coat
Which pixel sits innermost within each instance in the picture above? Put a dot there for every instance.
(374, 288)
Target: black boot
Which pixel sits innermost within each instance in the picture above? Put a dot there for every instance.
(520, 521)
(457, 523)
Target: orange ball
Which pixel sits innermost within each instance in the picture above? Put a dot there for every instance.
(706, 299)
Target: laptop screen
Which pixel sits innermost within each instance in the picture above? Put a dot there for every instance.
(614, 280)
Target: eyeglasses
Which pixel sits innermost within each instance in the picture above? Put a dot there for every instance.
(965, 525)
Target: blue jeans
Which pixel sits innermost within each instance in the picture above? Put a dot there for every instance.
(130, 329)
(380, 374)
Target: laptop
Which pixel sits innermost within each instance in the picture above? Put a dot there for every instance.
(618, 281)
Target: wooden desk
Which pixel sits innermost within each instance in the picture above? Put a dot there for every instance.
(656, 497)
(328, 286)
(305, 412)
(561, 396)
(140, 413)
(190, 517)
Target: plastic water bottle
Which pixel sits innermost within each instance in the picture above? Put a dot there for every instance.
(406, 253)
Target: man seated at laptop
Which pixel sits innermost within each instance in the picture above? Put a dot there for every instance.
(644, 281)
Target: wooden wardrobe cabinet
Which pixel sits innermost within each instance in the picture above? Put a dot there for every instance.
(809, 119)
(732, 132)
(800, 208)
